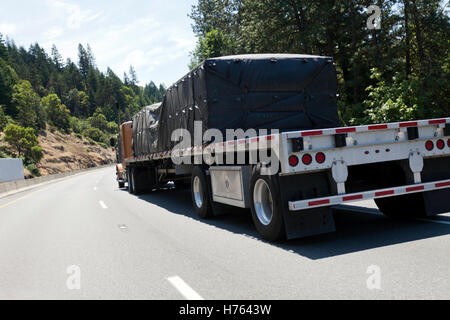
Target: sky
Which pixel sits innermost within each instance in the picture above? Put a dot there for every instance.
(155, 36)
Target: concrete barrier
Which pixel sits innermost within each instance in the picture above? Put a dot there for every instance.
(13, 187)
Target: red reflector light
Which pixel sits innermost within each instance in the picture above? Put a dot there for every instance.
(440, 144)
(429, 145)
(293, 161)
(307, 159)
(320, 157)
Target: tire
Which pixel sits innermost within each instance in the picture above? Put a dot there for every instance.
(137, 178)
(130, 180)
(266, 207)
(200, 194)
(403, 207)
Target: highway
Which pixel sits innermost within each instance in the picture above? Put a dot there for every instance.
(83, 238)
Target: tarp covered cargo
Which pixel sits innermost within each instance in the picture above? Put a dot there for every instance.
(145, 130)
(261, 91)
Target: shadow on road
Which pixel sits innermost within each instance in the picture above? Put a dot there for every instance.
(356, 230)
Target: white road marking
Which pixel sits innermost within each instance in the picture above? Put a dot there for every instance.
(95, 188)
(103, 205)
(184, 288)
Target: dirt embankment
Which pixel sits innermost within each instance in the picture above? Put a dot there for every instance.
(63, 153)
(67, 152)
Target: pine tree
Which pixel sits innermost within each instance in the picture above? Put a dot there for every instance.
(57, 58)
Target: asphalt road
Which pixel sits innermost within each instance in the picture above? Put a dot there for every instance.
(83, 238)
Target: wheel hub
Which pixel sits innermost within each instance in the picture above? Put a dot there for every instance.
(198, 192)
(263, 203)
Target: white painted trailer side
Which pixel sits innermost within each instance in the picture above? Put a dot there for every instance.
(11, 170)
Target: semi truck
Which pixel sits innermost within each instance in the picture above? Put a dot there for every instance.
(262, 132)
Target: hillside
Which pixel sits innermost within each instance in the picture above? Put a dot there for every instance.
(67, 152)
(59, 115)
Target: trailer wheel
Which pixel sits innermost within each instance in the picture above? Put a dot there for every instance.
(266, 208)
(200, 194)
(402, 207)
(130, 180)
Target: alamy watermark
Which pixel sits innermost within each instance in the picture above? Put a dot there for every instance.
(228, 151)
(73, 281)
(374, 20)
(373, 282)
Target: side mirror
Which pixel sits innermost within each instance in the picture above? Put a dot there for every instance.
(112, 142)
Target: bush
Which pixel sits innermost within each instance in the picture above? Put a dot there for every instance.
(28, 106)
(91, 142)
(103, 145)
(113, 128)
(36, 154)
(393, 101)
(94, 134)
(58, 114)
(98, 120)
(34, 170)
(78, 125)
(3, 119)
(22, 140)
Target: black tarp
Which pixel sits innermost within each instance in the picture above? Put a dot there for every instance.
(263, 91)
(145, 130)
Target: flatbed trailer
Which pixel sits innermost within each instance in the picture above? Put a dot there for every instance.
(404, 167)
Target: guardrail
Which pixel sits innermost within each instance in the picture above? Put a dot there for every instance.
(9, 188)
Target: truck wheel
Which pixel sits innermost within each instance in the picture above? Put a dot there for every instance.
(137, 177)
(402, 207)
(200, 194)
(266, 208)
(130, 180)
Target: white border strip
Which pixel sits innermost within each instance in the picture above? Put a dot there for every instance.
(374, 194)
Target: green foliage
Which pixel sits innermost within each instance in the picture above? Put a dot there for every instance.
(57, 113)
(91, 142)
(81, 86)
(78, 125)
(214, 44)
(28, 106)
(22, 140)
(393, 101)
(8, 78)
(35, 154)
(112, 128)
(98, 120)
(95, 134)
(34, 170)
(3, 119)
(410, 51)
(103, 145)
(78, 103)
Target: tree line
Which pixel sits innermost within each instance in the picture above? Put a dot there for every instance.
(398, 72)
(38, 90)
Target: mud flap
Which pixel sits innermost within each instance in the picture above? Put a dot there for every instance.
(305, 223)
(309, 223)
